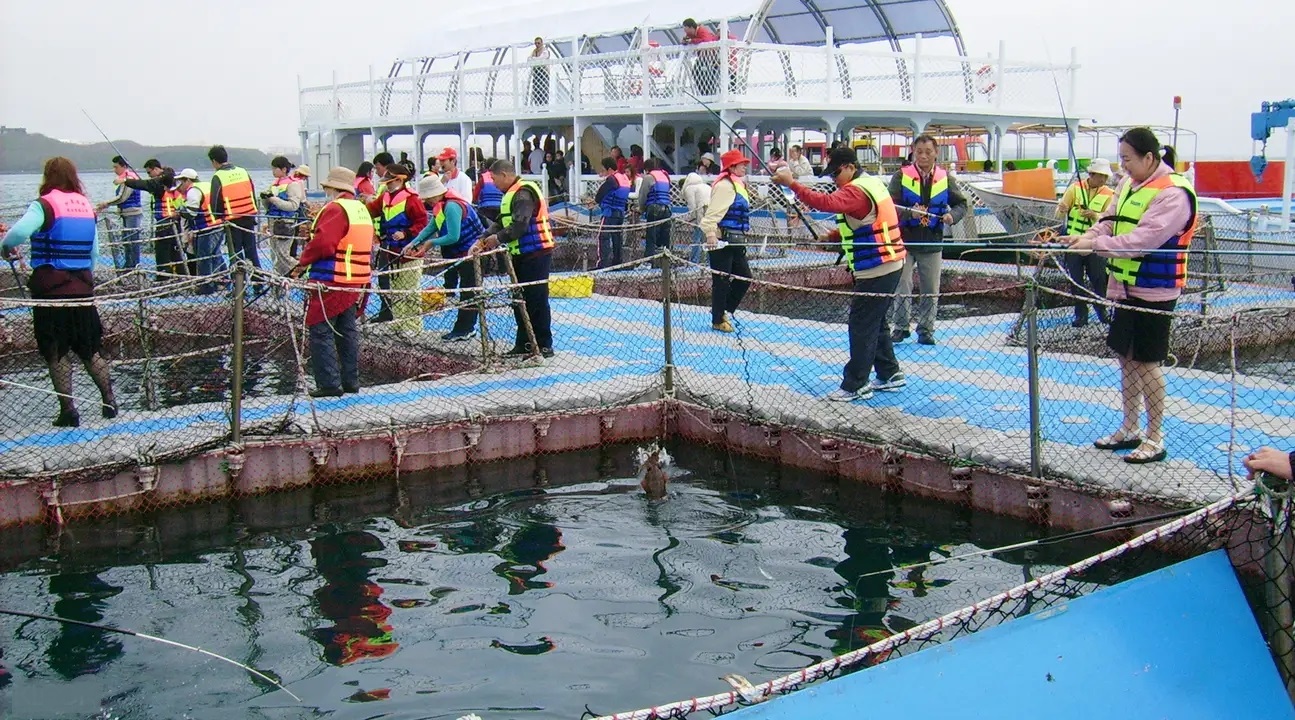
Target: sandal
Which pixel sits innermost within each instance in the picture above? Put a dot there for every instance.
(1149, 452)
(1118, 441)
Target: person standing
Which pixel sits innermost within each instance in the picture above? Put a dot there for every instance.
(798, 163)
(696, 193)
(130, 209)
(283, 203)
(233, 202)
(401, 216)
(207, 236)
(1145, 243)
(453, 178)
(867, 225)
(60, 224)
(728, 218)
(337, 258)
(612, 198)
(705, 68)
(539, 74)
(364, 191)
(454, 227)
(523, 227)
(928, 201)
(166, 227)
(655, 206)
(1080, 207)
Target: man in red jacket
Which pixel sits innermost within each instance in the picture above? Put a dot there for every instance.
(337, 258)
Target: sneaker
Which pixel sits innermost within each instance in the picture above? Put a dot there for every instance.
(925, 338)
(898, 335)
(326, 392)
(459, 335)
(517, 351)
(840, 395)
(546, 352)
(351, 389)
(895, 382)
(723, 326)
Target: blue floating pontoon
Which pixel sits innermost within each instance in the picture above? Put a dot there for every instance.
(1177, 643)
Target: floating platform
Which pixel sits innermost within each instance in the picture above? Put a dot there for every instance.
(959, 430)
(1180, 642)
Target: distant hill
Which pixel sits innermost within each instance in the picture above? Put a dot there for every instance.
(24, 152)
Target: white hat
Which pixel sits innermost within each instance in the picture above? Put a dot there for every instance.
(187, 174)
(430, 187)
(1099, 166)
(302, 170)
(341, 179)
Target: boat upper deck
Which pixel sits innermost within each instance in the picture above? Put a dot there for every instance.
(817, 80)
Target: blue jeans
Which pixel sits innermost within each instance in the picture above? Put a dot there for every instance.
(209, 245)
(130, 240)
(611, 241)
(335, 352)
(694, 253)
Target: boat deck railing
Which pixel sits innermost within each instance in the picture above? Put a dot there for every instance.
(660, 80)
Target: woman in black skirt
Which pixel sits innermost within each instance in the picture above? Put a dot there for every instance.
(60, 225)
(1145, 240)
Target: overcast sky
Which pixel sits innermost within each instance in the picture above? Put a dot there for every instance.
(166, 73)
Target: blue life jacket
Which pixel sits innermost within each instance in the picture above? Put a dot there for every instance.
(617, 201)
(470, 229)
(659, 191)
(66, 239)
(738, 217)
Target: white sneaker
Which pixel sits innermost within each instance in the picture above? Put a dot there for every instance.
(840, 395)
(895, 382)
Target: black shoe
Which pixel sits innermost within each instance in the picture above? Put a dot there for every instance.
(925, 338)
(459, 335)
(67, 419)
(351, 389)
(383, 317)
(517, 351)
(1078, 323)
(546, 352)
(898, 335)
(326, 392)
(109, 410)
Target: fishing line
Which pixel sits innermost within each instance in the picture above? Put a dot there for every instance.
(154, 638)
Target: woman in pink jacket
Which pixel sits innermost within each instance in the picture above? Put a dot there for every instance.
(1144, 239)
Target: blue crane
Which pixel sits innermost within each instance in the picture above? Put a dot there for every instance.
(1271, 116)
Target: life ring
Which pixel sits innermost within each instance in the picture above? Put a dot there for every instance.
(985, 78)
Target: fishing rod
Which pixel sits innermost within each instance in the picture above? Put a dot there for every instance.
(1055, 539)
(154, 638)
(110, 142)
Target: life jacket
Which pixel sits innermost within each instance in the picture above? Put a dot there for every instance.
(1165, 267)
(539, 236)
(280, 190)
(66, 239)
(394, 217)
(489, 196)
(237, 196)
(867, 246)
(938, 202)
(204, 218)
(133, 200)
(1076, 223)
(349, 266)
(738, 217)
(470, 228)
(617, 201)
(659, 192)
(167, 205)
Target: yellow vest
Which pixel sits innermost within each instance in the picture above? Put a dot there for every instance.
(1076, 223)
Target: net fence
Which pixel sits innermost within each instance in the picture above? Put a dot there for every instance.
(1004, 374)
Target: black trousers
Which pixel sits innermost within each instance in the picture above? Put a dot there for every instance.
(464, 275)
(531, 268)
(1095, 267)
(611, 241)
(870, 344)
(658, 232)
(726, 293)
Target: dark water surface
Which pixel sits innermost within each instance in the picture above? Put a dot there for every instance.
(514, 590)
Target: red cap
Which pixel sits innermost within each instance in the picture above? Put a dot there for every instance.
(448, 153)
(731, 158)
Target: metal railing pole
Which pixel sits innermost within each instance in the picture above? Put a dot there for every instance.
(236, 387)
(1032, 354)
(1279, 581)
(667, 284)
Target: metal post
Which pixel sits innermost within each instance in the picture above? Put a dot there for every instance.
(725, 47)
(916, 92)
(829, 48)
(1178, 105)
(150, 385)
(1288, 179)
(1000, 73)
(1032, 354)
(1279, 580)
(236, 389)
(481, 313)
(667, 285)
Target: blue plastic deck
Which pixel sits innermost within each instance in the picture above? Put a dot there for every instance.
(972, 376)
(1177, 643)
